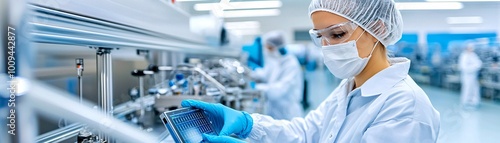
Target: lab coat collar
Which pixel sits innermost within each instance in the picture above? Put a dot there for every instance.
(387, 78)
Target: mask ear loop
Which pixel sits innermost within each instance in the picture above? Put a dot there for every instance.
(375, 46)
(373, 49)
(360, 35)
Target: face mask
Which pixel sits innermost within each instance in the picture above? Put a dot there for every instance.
(343, 59)
(272, 54)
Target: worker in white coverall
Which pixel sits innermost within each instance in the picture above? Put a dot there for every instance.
(283, 79)
(377, 102)
(470, 64)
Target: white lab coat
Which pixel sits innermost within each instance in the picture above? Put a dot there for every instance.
(388, 108)
(470, 64)
(263, 74)
(283, 87)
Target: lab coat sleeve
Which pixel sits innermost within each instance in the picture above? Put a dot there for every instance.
(259, 74)
(477, 63)
(280, 89)
(461, 62)
(399, 131)
(262, 74)
(268, 130)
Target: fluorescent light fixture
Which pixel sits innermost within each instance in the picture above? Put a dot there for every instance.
(464, 20)
(251, 13)
(243, 25)
(237, 5)
(429, 5)
(465, 0)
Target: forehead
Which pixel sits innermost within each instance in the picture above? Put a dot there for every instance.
(323, 19)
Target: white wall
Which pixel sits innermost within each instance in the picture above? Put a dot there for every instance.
(294, 15)
(420, 22)
(423, 22)
(498, 21)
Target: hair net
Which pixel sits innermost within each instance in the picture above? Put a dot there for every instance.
(380, 18)
(274, 39)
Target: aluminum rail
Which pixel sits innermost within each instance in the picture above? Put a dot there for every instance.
(60, 134)
(69, 131)
(56, 104)
(57, 26)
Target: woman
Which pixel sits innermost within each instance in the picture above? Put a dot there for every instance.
(376, 102)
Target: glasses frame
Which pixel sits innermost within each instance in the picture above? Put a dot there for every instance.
(320, 40)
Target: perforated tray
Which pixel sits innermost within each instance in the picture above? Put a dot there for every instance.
(186, 125)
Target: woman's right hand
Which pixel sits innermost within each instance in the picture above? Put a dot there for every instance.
(228, 120)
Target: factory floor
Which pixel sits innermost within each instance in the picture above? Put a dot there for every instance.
(458, 125)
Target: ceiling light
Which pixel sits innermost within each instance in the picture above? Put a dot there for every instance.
(464, 20)
(243, 25)
(238, 5)
(251, 13)
(429, 5)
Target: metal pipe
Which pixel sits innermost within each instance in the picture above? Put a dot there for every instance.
(105, 85)
(72, 130)
(79, 69)
(58, 103)
(211, 79)
(141, 94)
(141, 86)
(80, 88)
(60, 134)
(217, 84)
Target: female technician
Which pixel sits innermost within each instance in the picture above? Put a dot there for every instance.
(377, 102)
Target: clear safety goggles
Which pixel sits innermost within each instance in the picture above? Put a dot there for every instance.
(335, 34)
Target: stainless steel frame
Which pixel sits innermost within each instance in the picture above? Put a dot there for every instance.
(70, 131)
(57, 104)
(105, 83)
(74, 23)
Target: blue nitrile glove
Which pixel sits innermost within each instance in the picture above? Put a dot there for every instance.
(228, 120)
(220, 139)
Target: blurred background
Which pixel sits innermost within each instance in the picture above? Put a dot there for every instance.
(207, 50)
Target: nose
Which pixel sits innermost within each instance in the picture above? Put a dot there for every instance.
(324, 42)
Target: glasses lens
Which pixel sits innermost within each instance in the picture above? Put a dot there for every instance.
(315, 37)
(332, 35)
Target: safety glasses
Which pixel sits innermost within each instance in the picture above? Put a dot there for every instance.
(335, 34)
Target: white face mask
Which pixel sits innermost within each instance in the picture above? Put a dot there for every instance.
(343, 59)
(272, 54)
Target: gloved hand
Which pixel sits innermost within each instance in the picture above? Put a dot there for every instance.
(228, 120)
(220, 139)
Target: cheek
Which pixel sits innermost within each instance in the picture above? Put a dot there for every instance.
(364, 47)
